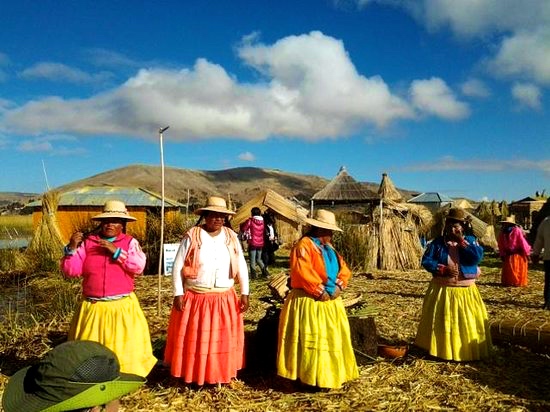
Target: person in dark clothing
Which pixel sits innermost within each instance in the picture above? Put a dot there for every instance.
(271, 241)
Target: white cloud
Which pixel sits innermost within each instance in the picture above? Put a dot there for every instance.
(528, 95)
(108, 58)
(310, 89)
(435, 97)
(35, 146)
(475, 88)
(449, 163)
(46, 144)
(62, 73)
(525, 54)
(519, 31)
(247, 157)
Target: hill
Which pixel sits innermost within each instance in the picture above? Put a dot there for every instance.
(240, 184)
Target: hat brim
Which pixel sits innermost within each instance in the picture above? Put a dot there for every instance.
(113, 215)
(15, 399)
(324, 225)
(214, 209)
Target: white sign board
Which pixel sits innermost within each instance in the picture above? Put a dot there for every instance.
(169, 254)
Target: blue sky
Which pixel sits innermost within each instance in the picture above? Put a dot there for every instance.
(447, 96)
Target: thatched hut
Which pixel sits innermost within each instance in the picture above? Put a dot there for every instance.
(526, 210)
(388, 191)
(343, 192)
(392, 236)
(75, 208)
(289, 216)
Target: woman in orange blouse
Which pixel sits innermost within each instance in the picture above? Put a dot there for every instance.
(314, 335)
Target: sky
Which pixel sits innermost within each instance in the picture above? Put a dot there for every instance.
(442, 95)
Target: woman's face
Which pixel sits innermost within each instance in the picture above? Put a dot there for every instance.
(214, 221)
(453, 227)
(111, 227)
(324, 235)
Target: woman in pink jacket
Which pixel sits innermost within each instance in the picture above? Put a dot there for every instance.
(107, 261)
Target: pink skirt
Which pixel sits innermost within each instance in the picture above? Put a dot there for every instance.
(205, 342)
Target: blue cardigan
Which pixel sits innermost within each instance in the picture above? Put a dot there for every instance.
(437, 253)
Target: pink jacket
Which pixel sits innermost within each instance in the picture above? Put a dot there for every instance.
(256, 226)
(513, 243)
(102, 275)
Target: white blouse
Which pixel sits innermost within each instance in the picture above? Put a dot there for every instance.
(213, 268)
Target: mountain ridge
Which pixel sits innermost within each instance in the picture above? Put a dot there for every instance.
(240, 184)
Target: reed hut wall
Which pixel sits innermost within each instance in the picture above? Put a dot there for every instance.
(73, 218)
(289, 217)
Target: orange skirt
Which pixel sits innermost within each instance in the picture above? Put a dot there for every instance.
(205, 342)
(514, 270)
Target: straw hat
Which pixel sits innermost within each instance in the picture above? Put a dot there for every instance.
(215, 204)
(114, 209)
(74, 375)
(324, 219)
(456, 213)
(511, 220)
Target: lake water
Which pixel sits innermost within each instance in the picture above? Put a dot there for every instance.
(19, 243)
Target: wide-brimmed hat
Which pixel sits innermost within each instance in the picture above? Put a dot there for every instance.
(74, 375)
(511, 220)
(215, 204)
(114, 209)
(323, 219)
(458, 214)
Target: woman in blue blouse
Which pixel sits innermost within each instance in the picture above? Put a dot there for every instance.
(454, 323)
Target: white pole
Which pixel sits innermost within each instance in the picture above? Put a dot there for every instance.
(161, 131)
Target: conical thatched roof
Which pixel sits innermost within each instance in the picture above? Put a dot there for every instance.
(343, 188)
(388, 191)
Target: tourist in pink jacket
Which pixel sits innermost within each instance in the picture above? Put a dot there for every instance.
(254, 229)
(108, 261)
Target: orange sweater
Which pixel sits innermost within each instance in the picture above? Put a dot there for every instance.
(307, 268)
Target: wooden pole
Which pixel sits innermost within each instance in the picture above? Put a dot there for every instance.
(161, 131)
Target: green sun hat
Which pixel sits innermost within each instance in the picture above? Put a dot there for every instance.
(74, 375)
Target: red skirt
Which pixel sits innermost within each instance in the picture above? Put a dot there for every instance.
(514, 270)
(205, 342)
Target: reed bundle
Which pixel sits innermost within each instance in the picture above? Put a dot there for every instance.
(46, 246)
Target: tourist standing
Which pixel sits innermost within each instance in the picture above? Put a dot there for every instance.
(542, 245)
(254, 226)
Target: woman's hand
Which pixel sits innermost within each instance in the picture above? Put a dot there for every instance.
(76, 239)
(107, 245)
(178, 303)
(336, 293)
(324, 297)
(244, 303)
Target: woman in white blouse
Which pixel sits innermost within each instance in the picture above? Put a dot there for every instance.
(205, 342)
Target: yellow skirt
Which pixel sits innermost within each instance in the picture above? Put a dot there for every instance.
(314, 342)
(454, 324)
(121, 326)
